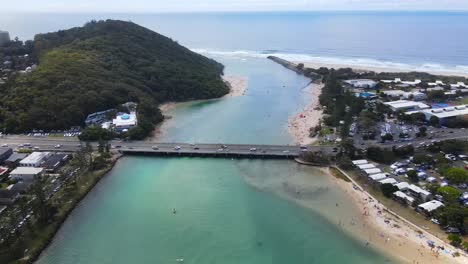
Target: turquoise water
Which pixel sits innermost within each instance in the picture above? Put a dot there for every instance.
(228, 211)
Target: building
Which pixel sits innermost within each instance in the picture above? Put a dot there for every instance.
(54, 161)
(22, 187)
(361, 83)
(405, 105)
(15, 157)
(3, 170)
(394, 93)
(430, 206)
(416, 191)
(403, 197)
(396, 80)
(366, 166)
(123, 121)
(98, 117)
(445, 114)
(459, 85)
(34, 159)
(402, 186)
(378, 176)
(437, 88)
(412, 83)
(5, 153)
(26, 173)
(366, 95)
(416, 96)
(436, 83)
(4, 37)
(8, 197)
(359, 162)
(388, 180)
(372, 171)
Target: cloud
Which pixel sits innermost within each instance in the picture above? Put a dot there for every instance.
(227, 5)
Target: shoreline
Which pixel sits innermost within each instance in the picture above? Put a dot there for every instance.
(300, 123)
(390, 233)
(377, 69)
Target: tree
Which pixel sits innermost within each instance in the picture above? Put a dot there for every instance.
(387, 136)
(388, 189)
(456, 175)
(413, 176)
(449, 193)
(465, 245)
(422, 159)
(380, 155)
(300, 66)
(434, 121)
(422, 131)
(454, 239)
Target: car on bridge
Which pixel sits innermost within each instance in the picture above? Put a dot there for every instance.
(155, 147)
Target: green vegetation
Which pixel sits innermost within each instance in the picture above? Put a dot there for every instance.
(413, 176)
(456, 175)
(99, 66)
(388, 189)
(449, 193)
(339, 175)
(454, 239)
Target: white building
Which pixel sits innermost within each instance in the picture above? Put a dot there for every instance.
(418, 192)
(459, 85)
(436, 83)
(402, 186)
(362, 83)
(430, 206)
(366, 166)
(388, 180)
(445, 113)
(378, 176)
(416, 96)
(372, 171)
(394, 93)
(124, 121)
(397, 80)
(26, 173)
(412, 83)
(405, 105)
(34, 159)
(437, 88)
(359, 162)
(404, 197)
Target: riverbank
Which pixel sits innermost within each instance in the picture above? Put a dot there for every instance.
(41, 239)
(299, 125)
(390, 233)
(366, 68)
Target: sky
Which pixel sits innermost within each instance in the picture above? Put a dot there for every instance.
(146, 6)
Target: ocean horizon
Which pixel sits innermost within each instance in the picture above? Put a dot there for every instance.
(383, 39)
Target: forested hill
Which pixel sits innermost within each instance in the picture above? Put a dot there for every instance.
(98, 66)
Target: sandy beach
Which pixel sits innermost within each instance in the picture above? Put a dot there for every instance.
(393, 235)
(309, 116)
(237, 85)
(364, 68)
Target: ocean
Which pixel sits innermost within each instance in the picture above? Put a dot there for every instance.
(242, 211)
(431, 41)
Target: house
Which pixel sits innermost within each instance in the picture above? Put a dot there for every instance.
(3, 170)
(402, 186)
(459, 85)
(34, 159)
(8, 197)
(429, 207)
(412, 83)
(405, 105)
(361, 83)
(5, 153)
(372, 171)
(15, 157)
(54, 161)
(437, 88)
(26, 173)
(416, 191)
(396, 80)
(123, 121)
(366, 166)
(403, 197)
(388, 180)
(359, 162)
(378, 176)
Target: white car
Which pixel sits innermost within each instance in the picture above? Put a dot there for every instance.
(4, 145)
(57, 146)
(177, 147)
(253, 149)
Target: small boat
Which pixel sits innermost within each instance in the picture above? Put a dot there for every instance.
(174, 211)
(180, 260)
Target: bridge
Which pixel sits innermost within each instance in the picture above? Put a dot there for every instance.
(168, 149)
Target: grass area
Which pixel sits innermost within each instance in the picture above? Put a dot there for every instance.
(339, 175)
(464, 100)
(325, 131)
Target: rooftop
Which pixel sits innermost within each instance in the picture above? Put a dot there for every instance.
(359, 162)
(378, 176)
(26, 171)
(431, 205)
(401, 104)
(34, 157)
(452, 111)
(403, 195)
(125, 119)
(16, 156)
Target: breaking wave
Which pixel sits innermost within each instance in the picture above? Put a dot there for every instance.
(365, 63)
